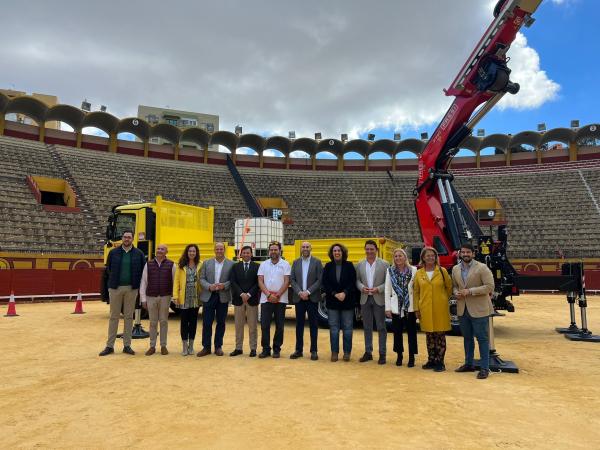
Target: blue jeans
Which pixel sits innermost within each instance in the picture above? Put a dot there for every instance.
(478, 328)
(344, 319)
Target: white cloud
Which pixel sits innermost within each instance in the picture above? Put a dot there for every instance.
(341, 66)
(536, 87)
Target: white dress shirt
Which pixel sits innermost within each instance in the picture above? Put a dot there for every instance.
(370, 270)
(305, 265)
(218, 270)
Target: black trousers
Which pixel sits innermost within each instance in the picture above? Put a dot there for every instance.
(304, 307)
(267, 311)
(408, 323)
(211, 309)
(189, 322)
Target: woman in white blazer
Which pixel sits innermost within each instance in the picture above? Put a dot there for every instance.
(399, 305)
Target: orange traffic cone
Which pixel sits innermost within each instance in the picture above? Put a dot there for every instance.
(78, 305)
(12, 308)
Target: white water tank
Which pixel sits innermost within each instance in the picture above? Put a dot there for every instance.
(258, 233)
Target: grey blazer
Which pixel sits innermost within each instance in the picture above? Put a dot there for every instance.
(378, 280)
(313, 280)
(207, 277)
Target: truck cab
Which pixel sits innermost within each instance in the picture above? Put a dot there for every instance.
(162, 221)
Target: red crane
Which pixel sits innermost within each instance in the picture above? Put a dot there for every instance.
(444, 220)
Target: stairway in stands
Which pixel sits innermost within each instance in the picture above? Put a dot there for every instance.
(250, 200)
(94, 224)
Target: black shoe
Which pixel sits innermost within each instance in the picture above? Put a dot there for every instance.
(366, 357)
(296, 355)
(411, 361)
(264, 354)
(252, 353)
(483, 374)
(236, 352)
(439, 367)
(314, 356)
(465, 368)
(106, 351)
(381, 361)
(128, 350)
(428, 365)
(276, 354)
(399, 360)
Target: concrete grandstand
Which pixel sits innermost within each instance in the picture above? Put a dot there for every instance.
(326, 197)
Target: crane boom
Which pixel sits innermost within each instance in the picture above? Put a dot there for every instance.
(482, 81)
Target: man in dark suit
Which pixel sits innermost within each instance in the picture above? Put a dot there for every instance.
(306, 285)
(245, 296)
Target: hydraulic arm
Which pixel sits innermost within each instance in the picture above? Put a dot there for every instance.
(444, 220)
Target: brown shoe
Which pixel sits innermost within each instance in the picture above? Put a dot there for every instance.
(465, 368)
(164, 351)
(334, 357)
(483, 374)
(219, 352)
(203, 352)
(151, 351)
(346, 357)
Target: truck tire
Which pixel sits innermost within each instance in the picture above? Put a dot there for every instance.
(322, 313)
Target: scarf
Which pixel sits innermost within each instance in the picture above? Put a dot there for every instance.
(400, 282)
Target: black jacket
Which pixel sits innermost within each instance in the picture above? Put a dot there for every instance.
(244, 282)
(347, 284)
(113, 266)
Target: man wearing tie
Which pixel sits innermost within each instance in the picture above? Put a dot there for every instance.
(245, 296)
(370, 281)
(215, 296)
(306, 285)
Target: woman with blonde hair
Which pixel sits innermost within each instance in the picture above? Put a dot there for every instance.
(399, 305)
(432, 289)
(186, 294)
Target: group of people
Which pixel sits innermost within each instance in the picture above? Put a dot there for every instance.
(400, 292)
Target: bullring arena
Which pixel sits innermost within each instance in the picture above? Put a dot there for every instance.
(58, 393)
(79, 186)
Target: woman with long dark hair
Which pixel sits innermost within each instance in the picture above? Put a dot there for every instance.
(186, 295)
(339, 283)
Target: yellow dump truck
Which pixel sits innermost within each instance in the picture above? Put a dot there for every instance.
(162, 222)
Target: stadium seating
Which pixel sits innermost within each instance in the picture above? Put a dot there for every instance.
(133, 179)
(551, 209)
(27, 226)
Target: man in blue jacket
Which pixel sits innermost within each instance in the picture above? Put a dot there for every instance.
(125, 265)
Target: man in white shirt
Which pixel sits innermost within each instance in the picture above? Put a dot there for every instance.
(215, 296)
(370, 281)
(273, 281)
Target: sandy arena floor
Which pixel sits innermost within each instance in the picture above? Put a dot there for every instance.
(56, 392)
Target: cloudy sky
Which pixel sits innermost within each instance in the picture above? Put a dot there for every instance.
(335, 66)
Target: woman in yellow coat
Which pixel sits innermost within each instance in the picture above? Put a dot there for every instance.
(431, 290)
(186, 295)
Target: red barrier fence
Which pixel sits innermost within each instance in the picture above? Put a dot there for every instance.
(61, 282)
(49, 281)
